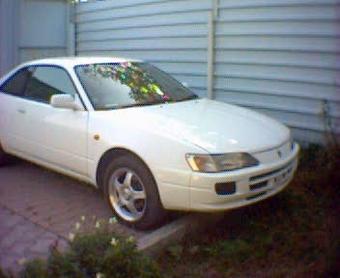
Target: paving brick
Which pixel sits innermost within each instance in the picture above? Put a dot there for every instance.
(4, 232)
(39, 208)
(69, 218)
(19, 249)
(62, 245)
(25, 232)
(10, 263)
(4, 214)
(63, 230)
(43, 245)
(7, 242)
(11, 221)
(48, 235)
(4, 252)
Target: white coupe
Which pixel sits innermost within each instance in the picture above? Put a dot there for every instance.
(143, 138)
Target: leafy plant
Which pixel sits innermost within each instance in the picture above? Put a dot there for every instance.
(2, 274)
(35, 269)
(98, 254)
(176, 251)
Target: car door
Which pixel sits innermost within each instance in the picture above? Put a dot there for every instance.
(55, 136)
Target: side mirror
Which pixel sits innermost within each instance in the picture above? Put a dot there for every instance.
(65, 101)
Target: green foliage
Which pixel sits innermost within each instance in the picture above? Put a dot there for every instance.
(98, 254)
(176, 251)
(2, 274)
(230, 249)
(125, 261)
(89, 250)
(35, 269)
(64, 265)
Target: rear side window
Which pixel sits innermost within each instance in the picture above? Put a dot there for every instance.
(16, 84)
(47, 81)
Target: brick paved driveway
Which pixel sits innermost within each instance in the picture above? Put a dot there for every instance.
(39, 208)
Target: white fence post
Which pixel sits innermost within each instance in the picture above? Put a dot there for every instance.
(70, 29)
(211, 49)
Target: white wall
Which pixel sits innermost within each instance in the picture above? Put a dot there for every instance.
(280, 57)
(9, 34)
(42, 29)
(31, 29)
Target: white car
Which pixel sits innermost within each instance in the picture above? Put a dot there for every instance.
(148, 142)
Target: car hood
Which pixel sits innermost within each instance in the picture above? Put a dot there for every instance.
(213, 126)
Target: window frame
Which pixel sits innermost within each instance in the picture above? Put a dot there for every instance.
(9, 79)
(35, 66)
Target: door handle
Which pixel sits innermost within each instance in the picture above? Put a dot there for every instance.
(22, 111)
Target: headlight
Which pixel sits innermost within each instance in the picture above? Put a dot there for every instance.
(220, 162)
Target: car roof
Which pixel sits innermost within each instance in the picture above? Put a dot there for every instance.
(77, 60)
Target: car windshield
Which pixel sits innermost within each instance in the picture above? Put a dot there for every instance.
(121, 85)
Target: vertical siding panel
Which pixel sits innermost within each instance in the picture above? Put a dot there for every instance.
(9, 39)
(170, 34)
(280, 57)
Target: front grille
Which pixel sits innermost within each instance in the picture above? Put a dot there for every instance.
(256, 195)
(258, 185)
(268, 174)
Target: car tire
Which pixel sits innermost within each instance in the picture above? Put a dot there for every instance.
(4, 158)
(132, 193)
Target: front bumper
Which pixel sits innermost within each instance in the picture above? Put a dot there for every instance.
(251, 184)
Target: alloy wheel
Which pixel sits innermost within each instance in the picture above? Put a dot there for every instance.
(127, 194)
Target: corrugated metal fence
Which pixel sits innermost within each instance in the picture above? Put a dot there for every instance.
(281, 57)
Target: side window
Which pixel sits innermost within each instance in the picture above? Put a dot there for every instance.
(15, 85)
(47, 81)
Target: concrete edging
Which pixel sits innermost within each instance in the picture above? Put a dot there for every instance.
(151, 244)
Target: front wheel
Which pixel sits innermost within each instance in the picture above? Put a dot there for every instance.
(3, 157)
(132, 193)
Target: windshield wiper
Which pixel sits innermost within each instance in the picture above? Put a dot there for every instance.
(137, 104)
(147, 103)
(186, 98)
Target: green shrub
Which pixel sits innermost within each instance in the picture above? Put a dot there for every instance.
(64, 265)
(2, 274)
(125, 261)
(175, 251)
(237, 249)
(35, 269)
(97, 254)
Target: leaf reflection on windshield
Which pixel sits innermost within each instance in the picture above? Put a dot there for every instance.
(121, 85)
(143, 88)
